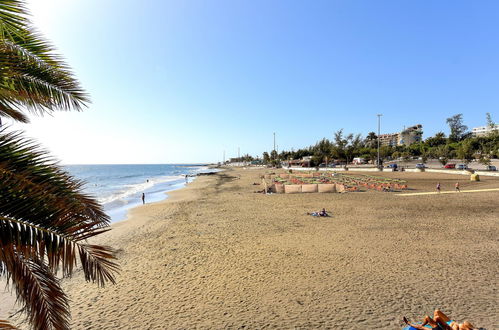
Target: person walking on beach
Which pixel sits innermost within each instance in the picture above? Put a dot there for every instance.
(438, 187)
(457, 187)
(186, 179)
(143, 198)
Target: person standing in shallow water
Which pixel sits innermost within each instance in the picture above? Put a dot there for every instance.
(143, 198)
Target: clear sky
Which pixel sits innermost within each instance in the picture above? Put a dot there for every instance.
(181, 81)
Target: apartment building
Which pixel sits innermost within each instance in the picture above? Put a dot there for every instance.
(406, 137)
(484, 130)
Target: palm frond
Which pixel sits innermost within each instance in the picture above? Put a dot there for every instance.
(13, 17)
(5, 325)
(41, 85)
(45, 218)
(44, 213)
(32, 76)
(38, 290)
(11, 111)
(59, 248)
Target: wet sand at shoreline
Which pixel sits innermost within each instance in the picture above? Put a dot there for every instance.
(217, 255)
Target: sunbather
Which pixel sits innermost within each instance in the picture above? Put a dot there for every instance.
(322, 213)
(440, 321)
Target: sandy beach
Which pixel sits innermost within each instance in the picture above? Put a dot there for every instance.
(217, 255)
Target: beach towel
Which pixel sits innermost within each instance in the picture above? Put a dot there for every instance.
(426, 326)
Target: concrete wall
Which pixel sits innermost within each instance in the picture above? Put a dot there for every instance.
(309, 188)
(412, 170)
(292, 189)
(432, 170)
(326, 188)
(367, 169)
(487, 173)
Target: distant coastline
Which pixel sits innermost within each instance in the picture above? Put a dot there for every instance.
(119, 187)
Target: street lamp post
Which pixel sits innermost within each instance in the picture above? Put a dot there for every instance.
(379, 120)
(274, 141)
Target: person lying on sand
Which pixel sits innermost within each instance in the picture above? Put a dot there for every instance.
(322, 213)
(440, 321)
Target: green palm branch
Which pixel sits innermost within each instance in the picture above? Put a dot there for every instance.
(32, 76)
(45, 221)
(45, 218)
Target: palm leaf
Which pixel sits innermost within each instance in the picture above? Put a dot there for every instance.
(38, 290)
(39, 243)
(11, 111)
(44, 213)
(12, 17)
(45, 221)
(5, 325)
(45, 218)
(32, 76)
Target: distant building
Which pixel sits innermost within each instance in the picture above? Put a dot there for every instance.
(389, 139)
(411, 135)
(304, 162)
(484, 130)
(408, 136)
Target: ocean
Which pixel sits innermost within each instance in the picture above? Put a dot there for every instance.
(119, 187)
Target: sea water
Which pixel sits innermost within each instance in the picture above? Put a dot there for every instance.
(120, 187)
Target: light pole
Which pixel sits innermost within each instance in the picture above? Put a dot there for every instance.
(274, 141)
(379, 121)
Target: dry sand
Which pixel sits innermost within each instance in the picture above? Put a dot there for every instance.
(216, 255)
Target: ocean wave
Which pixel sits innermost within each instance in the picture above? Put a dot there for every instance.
(129, 190)
(201, 169)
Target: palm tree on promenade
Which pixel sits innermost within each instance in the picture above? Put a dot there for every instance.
(370, 140)
(45, 219)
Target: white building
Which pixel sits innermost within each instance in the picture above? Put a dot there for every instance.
(484, 130)
(408, 136)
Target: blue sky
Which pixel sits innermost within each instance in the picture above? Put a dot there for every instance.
(181, 81)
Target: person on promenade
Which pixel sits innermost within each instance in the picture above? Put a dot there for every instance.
(440, 321)
(438, 186)
(143, 198)
(457, 187)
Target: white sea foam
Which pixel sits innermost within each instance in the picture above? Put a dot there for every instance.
(129, 190)
(204, 169)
